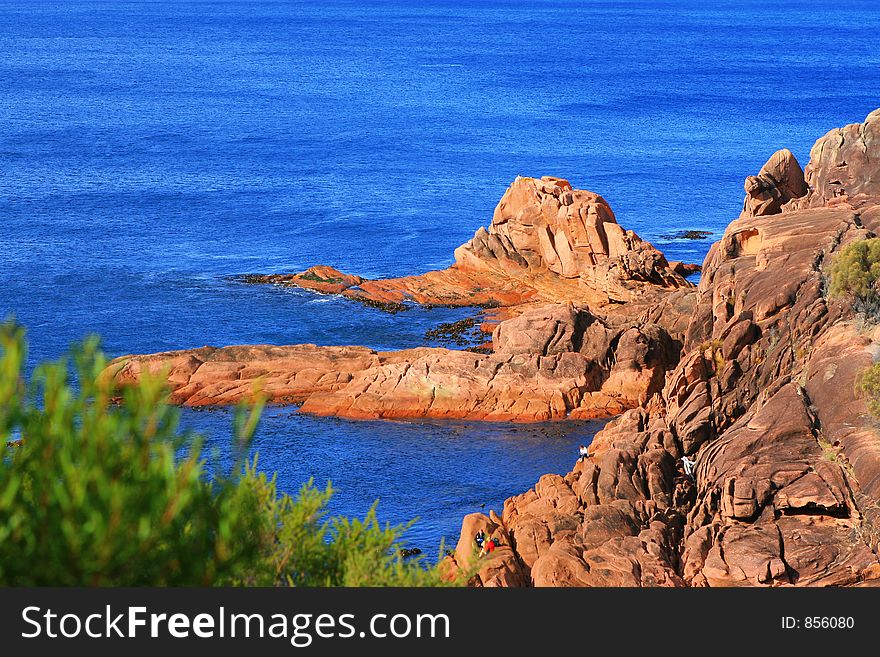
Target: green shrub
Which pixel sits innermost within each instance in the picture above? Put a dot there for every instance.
(868, 383)
(855, 274)
(96, 493)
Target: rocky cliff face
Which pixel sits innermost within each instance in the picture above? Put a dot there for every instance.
(751, 375)
(843, 165)
(787, 476)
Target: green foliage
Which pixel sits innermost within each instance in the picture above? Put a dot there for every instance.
(98, 493)
(868, 383)
(311, 276)
(855, 274)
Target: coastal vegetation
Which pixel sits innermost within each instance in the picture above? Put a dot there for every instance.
(99, 486)
(855, 274)
(868, 383)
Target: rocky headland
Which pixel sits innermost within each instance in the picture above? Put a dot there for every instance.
(751, 375)
(786, 485)
(585, 319)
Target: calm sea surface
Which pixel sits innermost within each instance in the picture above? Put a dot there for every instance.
(151, 150)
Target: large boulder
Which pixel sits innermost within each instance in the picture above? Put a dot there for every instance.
(543, 228)
(779, 181)
(545, 330)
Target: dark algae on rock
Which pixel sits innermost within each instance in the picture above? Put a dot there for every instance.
(687, 235)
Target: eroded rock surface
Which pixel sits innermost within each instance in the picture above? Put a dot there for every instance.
(547, 242)
(787, 477)
(843, 165)
(779, 181)
(568, 363)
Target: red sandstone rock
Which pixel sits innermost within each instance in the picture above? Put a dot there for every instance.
(550, 363)
(843, 165)
(543, 330)
(547, 243)
(501, 567)
(787, 486)
(780, 180)
(546, 233)
(212, 376)
(359, 383)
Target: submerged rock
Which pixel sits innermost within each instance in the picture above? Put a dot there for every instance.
(463, 333)
(687, 235)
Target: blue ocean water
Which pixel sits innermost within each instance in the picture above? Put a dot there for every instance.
(151, 150)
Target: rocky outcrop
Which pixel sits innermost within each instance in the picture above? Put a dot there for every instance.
(786, 485)
(587, 319)
(779, 181)
(500, 568)
(319, 278)
(843, 165)
(615, 520)
(567, 363)
(445, 287)
(548, 234)
(547, 243)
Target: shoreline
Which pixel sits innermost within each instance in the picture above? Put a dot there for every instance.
(786, 457)
(594, 322)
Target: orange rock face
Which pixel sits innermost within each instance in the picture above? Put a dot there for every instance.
(521, 382)
(779, 181)
(546, 243)
(843, 165)
(567, 244)
(786, 477)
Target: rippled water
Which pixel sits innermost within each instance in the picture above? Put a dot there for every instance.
(151, 150)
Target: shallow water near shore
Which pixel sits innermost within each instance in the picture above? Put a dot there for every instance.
(151, 151)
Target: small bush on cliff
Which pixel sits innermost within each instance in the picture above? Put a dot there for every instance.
(855, 274)
(93, 493)
(868, 383)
